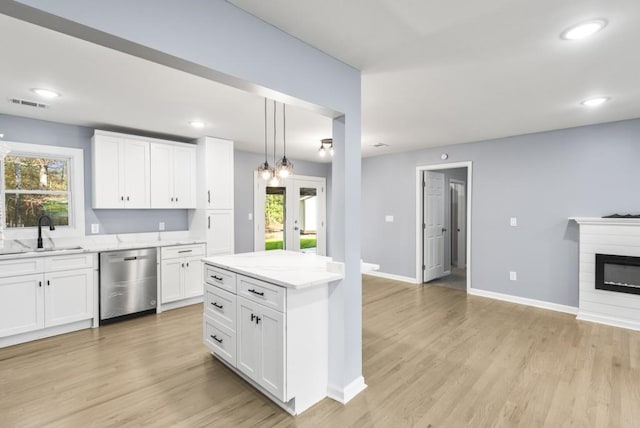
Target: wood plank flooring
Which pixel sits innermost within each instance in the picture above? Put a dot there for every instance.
(433, 357)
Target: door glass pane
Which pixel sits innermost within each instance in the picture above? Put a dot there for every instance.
(308, 200)
(275, 214)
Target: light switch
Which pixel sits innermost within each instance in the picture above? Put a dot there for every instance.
(513, 276)
(388, 218)
(514, 221)
(95, 228)
(161, 225)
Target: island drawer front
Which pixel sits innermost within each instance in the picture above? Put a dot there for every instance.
(220, 340)
(221, 306)
(68, 261)
(21, 266)
(269, 295)
(179, 251)
(220, 278)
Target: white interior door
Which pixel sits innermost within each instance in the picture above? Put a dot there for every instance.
(433, 226)
(462, 225)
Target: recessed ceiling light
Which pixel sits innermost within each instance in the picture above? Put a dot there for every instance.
(197, 123)
(594, 102)
(584, 29)
(46, 93)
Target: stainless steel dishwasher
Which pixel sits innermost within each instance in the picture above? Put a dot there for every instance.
(128, 284)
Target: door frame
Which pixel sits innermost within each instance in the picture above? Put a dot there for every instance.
(258, 209)
(464, 187)
(420, 214)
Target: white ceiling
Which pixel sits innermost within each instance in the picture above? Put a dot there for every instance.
(443, 72)
(103, 88)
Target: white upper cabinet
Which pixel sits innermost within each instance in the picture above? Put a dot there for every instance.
(218, 174)
(173, 176)
(139, 172)
(120, 170)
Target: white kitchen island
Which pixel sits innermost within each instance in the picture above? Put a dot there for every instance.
(266, 317)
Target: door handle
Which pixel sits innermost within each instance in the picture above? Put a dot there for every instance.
(209, 222)
(209, 196)
(296, 228)
(444, 229)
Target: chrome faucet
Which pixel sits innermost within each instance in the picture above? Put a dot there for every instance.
(49, 223)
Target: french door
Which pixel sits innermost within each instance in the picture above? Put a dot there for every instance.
(291, 216)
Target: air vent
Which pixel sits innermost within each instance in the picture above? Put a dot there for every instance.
(379, 145)
(27, 103)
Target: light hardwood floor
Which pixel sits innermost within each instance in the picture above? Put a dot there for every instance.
(433, 357)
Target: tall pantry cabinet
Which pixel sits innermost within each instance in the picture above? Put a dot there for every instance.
(213, 216)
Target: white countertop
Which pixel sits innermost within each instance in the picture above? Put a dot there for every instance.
(288, 269)
(93, 247)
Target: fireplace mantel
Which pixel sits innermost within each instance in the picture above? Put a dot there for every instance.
(611, 236)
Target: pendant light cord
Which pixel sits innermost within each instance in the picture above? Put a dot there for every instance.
(274, 132)
(284, 131)
(265, 130)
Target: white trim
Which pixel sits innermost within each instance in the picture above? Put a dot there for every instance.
(344, 395)
(178, 303)
(419, 219)
(524, 301)
(45, 332)
(606, 221)
(392, 276)
(612, 321)
(76, 191)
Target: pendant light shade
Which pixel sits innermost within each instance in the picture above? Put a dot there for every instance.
(322, 151)
(264, 170)
(285, 166)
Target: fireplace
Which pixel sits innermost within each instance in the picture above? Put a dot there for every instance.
(618, 273)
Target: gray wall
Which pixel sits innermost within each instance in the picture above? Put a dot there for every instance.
(23, 130)
(245, 164)
(542, 179)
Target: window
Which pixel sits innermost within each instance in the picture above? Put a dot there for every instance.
(39, 180)
(35, 186)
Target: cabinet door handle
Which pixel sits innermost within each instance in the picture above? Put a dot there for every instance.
(171, 199)
(39, 283)
(216, 339)
(259, 293)
(253, 317)
(217, 278)
(185, 251)
(209, 222)
(122, 198)
(209, 196)
(187, 264)
(48, 282)
(258, 320)
(217, 305)
(182, 264)
(176, 199)
(127, 198)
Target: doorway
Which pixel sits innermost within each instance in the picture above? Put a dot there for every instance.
(291, 216)
(443, 213)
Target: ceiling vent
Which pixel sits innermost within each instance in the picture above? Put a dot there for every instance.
(379, 145)
(27, 103)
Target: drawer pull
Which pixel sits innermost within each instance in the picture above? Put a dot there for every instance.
(216, 339)
(217, 278)
(217, 306)
(185, 251)
(259, 293)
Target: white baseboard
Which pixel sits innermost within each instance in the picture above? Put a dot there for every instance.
(180, 303)
(344, 395)
(612, 321)
(44, 333)
(392, 276)
(524, 301)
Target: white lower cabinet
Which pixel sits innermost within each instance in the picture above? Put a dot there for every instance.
(273, 336)
(181, 272)
(57, 291)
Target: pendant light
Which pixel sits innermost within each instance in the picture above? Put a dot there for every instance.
(264, 170)
(274, 177)
(285, 166)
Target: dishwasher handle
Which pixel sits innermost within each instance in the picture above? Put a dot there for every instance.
(128, 259)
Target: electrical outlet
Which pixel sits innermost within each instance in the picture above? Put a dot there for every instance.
(388, 218)
(514, 221)
(95, 228)
(513, 276)
(161, 225)
(250, 216)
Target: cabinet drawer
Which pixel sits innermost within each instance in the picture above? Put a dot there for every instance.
(220, 340)
(21, 266)
(221, 306)
(220, 278)
(179, 251)
(68, 261)
(270, 295)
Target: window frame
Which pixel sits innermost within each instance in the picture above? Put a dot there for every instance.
(76, 190)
